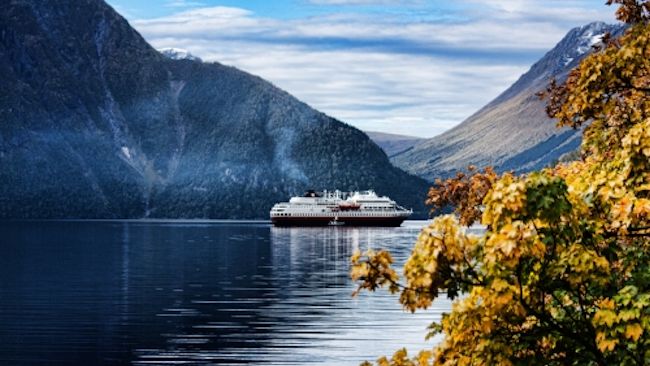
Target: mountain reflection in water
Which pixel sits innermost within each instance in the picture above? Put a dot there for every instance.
(197, 292)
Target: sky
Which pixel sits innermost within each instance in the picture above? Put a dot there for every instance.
(414, 67)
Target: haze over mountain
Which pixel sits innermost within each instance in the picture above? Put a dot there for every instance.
(95, 123)
(512, 132)
(393, 143)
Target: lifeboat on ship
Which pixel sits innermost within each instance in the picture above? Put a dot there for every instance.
(349, 206)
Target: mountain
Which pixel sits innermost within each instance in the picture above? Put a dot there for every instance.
(392, 143)
(95, 123)
(512, 132)
(178, 54)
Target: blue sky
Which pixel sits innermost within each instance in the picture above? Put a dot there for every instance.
(292, 9)
(414, 67)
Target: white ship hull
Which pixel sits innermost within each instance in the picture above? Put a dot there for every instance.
(322, 209)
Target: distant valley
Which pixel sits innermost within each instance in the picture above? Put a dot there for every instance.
(393, 144)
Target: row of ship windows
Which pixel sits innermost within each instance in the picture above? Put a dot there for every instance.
(347, 214)
(364, 209)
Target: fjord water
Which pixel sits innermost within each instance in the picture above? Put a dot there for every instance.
(147, 292)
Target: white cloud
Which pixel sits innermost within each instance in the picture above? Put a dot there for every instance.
(183, 4)
(364, 2)
(389, 74)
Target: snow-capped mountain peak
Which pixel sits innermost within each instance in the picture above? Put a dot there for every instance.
(178, 54)
(580, 41)
(591, 35)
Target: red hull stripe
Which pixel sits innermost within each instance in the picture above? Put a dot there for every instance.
(348, 221)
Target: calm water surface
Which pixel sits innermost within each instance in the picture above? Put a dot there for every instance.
(198, 293)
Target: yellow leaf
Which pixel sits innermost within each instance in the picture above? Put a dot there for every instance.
(355, 256)
(607, 345)
(607, 317)
(633, 331)
(424, 358)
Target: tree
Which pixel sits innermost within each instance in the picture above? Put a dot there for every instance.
(561, 275)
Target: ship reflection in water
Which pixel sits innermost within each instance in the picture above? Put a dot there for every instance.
(92, 293)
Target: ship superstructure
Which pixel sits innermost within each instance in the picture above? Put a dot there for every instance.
(361, 208)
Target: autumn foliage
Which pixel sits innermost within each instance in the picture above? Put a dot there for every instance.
(561, 275)
(465, 192)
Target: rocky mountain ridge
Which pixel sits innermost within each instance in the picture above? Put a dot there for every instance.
(512, 132)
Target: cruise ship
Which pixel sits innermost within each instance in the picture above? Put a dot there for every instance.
(364, 208)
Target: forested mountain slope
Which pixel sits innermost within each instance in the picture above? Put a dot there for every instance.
(95, 123)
